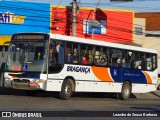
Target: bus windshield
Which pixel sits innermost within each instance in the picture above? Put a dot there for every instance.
(27, 56)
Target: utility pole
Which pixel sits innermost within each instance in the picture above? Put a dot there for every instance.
(74, 17)
(93, 26)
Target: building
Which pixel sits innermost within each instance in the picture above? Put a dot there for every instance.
(23, 17)
(147, 31)
(100, 24)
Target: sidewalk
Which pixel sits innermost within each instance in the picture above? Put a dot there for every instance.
(150, 95)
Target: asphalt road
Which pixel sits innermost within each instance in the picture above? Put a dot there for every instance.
(17, 100)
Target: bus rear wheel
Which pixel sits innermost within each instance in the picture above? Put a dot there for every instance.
(2, 80)
(66, 90)
(126, 91)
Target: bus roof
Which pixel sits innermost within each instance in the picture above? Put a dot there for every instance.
(101, 43)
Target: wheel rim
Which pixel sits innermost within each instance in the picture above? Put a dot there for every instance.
(126, 91)
(68, 90)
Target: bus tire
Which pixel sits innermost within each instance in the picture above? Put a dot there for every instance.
(66, 90)
(126, 91)
(2, 80)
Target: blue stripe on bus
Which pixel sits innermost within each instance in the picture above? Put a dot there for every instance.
(135, 76)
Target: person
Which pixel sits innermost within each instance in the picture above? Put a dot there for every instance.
(69, 57)
(143, 62)
(84, 60)
(60, 53)
(75, 55)
(103, 61)
(75, 59)
(39, 53)
(90, 56)
(97, 57)
(75, 52)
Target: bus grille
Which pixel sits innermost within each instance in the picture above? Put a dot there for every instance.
(21, 81)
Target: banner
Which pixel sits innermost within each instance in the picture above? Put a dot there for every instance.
(98, 26)
(38, 114)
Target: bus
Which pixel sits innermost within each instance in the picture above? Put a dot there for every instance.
(65, 64)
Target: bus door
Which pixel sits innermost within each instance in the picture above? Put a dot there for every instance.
(3, 54)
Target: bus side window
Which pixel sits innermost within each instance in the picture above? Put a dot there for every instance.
(51, 51)
(60, 52)
(103, 57)
(128, 59)
(52, 59)
(143, 61)
(84, 54)
(115, 57)
(149, 61)
(75, 53)
(137, 61)
(90, 54)
(69, 52)
(154, 61)
(97, 55)
(69, 56)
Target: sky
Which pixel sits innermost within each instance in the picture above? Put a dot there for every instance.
(137, 5)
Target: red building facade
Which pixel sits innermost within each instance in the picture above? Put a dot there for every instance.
(108, 25)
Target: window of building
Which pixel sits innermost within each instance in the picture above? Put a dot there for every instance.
(138, 30)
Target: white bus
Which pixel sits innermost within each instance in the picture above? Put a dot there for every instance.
(52, 62)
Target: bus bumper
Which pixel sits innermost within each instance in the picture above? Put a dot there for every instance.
(8, 83)
(25, 84)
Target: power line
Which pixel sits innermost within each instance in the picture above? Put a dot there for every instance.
(59, 4)
(102, 4)
(49, 21)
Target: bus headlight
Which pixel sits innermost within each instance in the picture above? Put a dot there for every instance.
(38, 80)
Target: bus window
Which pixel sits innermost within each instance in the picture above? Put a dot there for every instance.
(127, 59)
(154, 61)
(148, 61)
(52, 58)
(60, 52)
(39, 53)
(90, 54)
(75, 53)
(69, 52)
(97, 56)
(56, 56)
(104, 57)
(137, 60)
(84, 54)
(115, 57)
(143, 61)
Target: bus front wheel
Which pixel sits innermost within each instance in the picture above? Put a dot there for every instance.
(66, 90)
(126, 91)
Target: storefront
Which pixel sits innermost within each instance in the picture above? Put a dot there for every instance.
(23, 17)
(101, 24)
